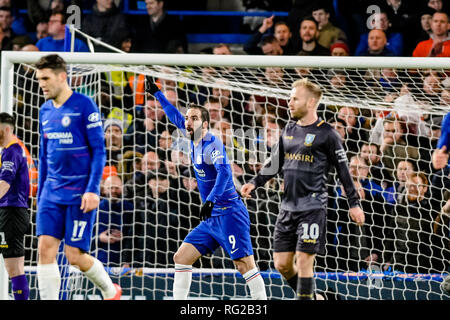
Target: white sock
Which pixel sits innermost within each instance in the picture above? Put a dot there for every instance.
(182, 281)
(98, 275)
(49, 281)
(255, 283)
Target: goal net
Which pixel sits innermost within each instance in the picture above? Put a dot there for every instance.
(387, 111)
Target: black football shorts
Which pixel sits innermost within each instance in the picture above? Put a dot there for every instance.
(301, 231)
(14, 223)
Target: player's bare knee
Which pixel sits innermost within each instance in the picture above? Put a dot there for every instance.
(179, 258)
(73, 255)
(283, 267)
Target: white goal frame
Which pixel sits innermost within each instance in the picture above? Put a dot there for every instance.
(9, 58)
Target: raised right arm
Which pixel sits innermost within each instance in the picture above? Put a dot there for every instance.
(174, 115)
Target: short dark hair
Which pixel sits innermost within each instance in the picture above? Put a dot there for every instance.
(5, 8)
(310, 18)
(203, 110)
(62, 13)
(6, 118)
(268, 38)
(52, 61)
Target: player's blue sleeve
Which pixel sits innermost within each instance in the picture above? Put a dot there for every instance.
(175, 116)
(9, 166)
(42, 166)
(444, 140)
(96, 143)
(218, 157)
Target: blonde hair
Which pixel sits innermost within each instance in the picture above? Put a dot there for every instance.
(312, 88)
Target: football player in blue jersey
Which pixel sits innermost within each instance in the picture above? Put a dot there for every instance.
(71, 160)
(226, 221)
(441, 154)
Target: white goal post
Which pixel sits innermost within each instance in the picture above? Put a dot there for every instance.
(379, 90)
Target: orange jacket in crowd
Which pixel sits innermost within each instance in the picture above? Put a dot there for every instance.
(424, 47)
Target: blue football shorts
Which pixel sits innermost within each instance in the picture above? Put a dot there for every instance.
(66, 222)
(230, 231)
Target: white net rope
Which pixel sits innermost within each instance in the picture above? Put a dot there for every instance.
(389, 120)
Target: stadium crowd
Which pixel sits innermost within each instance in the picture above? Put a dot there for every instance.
(150, 198)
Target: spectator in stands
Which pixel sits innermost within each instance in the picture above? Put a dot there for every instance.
(394, 40)
(309, 30)
(408, 247)
(127, 43)
(57, 35)
(394, 147)
(159, 32)
(7, 34)
(162, 222)
(370, 152)
(216, 112)
(106, 23)
(222, 48)
(271, 46)
(436, 5)
(339, 49)
(41, 30)
(284, 36)
(231, 102)
(274, 76)
(338, 81)
(355, 133)
(339, 125)
(328, 33)
(164, 145)
(281, 39)
(149, 122)
(18, 24)
(189, 203)
(425, 26)
(439, 43)
(272, 130)
(376, 45)
(19, 42)
(136, 185)
(431, 87)
(114, 141)
(396, 184)
(41, 10)
(114, 227)
(371, 195)
(365, 246)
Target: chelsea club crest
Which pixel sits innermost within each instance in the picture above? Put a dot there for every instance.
(65, 121)
(309, 139)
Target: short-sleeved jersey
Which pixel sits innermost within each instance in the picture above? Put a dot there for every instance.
(14, 171)
(444, 140)
(211, 165)
(72, 151)
(305, 154)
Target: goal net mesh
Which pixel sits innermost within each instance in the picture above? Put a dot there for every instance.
(389, 121)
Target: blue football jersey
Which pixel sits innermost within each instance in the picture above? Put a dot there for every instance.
(211, 165)
(72, 152)
(444, 140)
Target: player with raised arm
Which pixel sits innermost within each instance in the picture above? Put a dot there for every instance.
(306, 149)
(441, 155)
(226, 221)
(71, 160)
(14, 218)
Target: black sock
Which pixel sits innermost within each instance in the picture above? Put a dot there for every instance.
(305, 289)
(293, 282)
